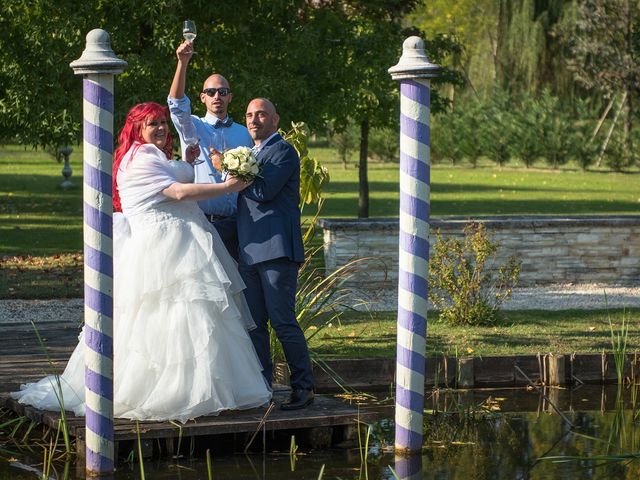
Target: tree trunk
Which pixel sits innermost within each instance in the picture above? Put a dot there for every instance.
(363, 198)
(602, 119)
(628, 140)
(605, 144)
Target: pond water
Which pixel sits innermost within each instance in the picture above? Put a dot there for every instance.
(490, 434)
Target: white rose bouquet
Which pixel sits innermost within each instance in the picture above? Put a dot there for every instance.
(240, 162)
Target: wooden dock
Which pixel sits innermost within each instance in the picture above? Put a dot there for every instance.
(327, 422)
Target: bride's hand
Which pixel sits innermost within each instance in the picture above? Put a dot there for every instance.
(235, 184)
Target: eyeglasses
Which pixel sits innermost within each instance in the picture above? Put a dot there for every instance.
(222, 91)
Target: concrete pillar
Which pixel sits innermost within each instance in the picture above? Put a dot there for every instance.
(98, 64)
(413, 71)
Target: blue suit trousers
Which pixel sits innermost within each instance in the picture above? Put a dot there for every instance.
(271, 295)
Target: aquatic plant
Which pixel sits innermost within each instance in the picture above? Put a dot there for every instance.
(293, 449)
(179, 426)
(57, 390)
(209, 467)
(140, 461)
(363, 449)
(393, 472)
(619, 342)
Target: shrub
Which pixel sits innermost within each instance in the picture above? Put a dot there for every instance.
(345, 143)
(462, 286)
(448, 129)
(497, 130)
(384, 144)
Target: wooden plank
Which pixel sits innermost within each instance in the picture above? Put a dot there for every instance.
(494, 371)
(23, 360)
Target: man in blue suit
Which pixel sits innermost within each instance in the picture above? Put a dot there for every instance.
(271, 250)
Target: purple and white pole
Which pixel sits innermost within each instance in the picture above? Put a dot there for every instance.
(413, 71)
(98, 64)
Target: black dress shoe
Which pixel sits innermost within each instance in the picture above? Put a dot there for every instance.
(300, 398)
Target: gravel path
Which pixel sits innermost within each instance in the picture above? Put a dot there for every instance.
(556, 297)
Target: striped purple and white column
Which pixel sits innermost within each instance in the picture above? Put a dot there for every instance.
(408, 467)
(98, 65)
(414, 71)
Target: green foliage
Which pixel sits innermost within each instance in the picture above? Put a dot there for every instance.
(527, 130)
(448, 134)
(524, 126)
(600, 37)
(464, 286)
(345, 143)
(498, 129)
(315, 60)
(619, 340)
(319, 296)
(585, 148)
(313, 176)
(617, 155)
(384, 145)
(470, 25)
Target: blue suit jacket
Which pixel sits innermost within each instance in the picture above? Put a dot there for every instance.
(268, 211)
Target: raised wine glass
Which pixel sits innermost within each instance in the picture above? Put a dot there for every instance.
(189, 31)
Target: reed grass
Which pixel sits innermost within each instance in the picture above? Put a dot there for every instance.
(209, 466)
(31, 426)
(46, 462)
(57, 390)
(619, 344)
(293, 450)
(140, 460)
(393, 472)
(363, 449)
(179, 426)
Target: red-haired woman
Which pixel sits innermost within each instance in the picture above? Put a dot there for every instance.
(181, 347)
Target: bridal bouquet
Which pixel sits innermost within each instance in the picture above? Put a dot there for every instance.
(239, 162)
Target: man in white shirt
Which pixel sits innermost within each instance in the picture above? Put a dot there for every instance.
(215, 130)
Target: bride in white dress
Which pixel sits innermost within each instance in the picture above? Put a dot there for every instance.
(181, 347)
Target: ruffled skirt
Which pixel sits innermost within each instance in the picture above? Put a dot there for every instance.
(181, 347)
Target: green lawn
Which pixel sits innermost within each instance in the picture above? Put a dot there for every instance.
(362, 335)
(41, 224)
(487, 190)
(41, 244)
(38, 218)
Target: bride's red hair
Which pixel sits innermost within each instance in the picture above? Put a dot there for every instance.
(130, 134)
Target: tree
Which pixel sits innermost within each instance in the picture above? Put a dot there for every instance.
(321, 62)
(602, 37)
(292, 51)
(471, 24)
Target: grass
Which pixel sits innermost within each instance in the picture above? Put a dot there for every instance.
(41, 224)
(486, 190)
(363, 335)
(38, 218)
(53, 276)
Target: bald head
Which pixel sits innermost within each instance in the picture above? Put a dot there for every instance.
(216, 80)
(262, 119)
(217, 103)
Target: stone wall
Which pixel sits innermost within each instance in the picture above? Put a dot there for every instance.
(594, 249)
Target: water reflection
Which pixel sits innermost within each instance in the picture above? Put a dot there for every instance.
(468, 435)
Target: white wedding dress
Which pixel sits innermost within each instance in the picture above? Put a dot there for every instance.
(181, 347)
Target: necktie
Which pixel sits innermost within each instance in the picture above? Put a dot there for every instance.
(227, 123)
